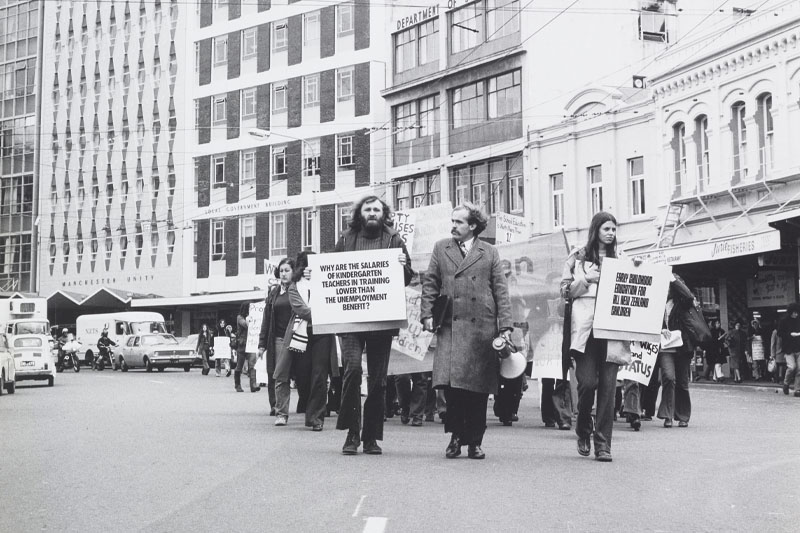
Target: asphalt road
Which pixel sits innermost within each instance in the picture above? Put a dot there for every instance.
(183, 452)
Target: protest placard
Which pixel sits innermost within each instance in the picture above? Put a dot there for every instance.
(410, 347)
(405, 225)
(630, 300)
(643, 360)
(254, 318)
(357, 291)
(510, 228)
(431, 223)
(222, 348)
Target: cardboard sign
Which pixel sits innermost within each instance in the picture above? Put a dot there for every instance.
(254, 318)
(630, 300)
(222, 348)
(431, 223)
(357, 291)
(510, 228)
(410, 347)
(405, 225)
(643, 360)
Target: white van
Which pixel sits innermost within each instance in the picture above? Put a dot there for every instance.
(120, 326)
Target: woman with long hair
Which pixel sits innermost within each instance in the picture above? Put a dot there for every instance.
(205, 341)
(313, 364)
(274, 324)
(594, 373)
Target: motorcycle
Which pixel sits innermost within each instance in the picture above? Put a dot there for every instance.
(69, 357)
(104, 356)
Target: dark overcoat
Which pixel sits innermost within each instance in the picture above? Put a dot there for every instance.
(477, 287)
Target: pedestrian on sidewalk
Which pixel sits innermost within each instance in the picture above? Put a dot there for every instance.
(737, 346)
(789, 332)
(676, 362)
(220, 360)
(776, 353)
(758, 348)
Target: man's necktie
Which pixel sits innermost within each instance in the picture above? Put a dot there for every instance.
(463, 248)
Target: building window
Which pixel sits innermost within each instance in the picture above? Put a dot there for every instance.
(279, 38)
(309, 228)
(277, 234)
(220, 116)
(636, 175)
(344, 151)
(652, 22)
(466, 27)
(343, 212)
(196, 240)
(417, 192)
(248, 103)
(217, 240)
(428, 41)
(344, 84)
(765, 141)
(595, 178)
(344, 19)
(311, 157)
(416, 46)
(703, 158)
(249, 46)
(557, 190)
(220, 51)
(505, 95)
(502, 18)
(247, 230)
(739, 128)
(405, 119)
(495, 185)
(468, 105)
(311, 90)
(248, 168)
(279, 98)
(679, 152)
(405, 46)
(428, 119)
(311, 28)
(219, 169)
(279, 162)
(402, 195)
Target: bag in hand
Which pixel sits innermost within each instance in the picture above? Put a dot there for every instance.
(696, 328)
(299, 339)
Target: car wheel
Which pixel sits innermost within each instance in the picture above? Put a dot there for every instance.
(115, 366)
(161, 369)
(148, 365)
(122, 364)
(187, 368)
(50, 381)
(2, 382)
(11, 387)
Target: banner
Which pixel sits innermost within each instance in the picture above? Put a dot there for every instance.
(630, 300)
(510, 228)
(643, 360)
(357, 291)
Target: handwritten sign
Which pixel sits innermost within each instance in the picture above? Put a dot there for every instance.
(631, 300)
(771, 288)
(254, 318)
(643, 360)
(405, 225)
(357, 291)
(510, 228)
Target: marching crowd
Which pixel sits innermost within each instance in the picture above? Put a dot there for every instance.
(465, 303)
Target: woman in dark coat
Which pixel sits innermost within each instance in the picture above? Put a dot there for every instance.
(737, 345)
(676, 362)
(205, 341)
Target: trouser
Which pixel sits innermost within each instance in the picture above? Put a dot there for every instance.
(392, 396)
(649, 394)
(595, 376)
(441, 402)
(250, 358)
(759, 369)
(780, 372)
(283, 370)
(675, 402)
(301, 373)
(412, 393)
(335, 392)
(631, 398)
(556, 402)
(792, 371)
(466, 415)
(204, 357)
(270, 355)
(430, 397)
(506, 401)
(378, 346)
(219, 363)
(316, 372)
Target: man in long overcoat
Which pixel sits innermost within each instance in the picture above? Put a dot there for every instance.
(467, 271)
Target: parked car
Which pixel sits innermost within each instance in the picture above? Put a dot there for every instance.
(154, 350)
(7, 371)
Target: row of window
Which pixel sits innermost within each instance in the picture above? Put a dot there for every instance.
(594, 183)
(16, 195)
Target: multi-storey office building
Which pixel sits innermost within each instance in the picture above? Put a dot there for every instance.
(20, 44)
(304, 78)
(112, 170)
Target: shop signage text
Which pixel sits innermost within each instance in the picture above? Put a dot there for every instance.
(417, 17)
(108, 282)
(710, 251)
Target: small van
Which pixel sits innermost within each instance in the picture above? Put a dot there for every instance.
(120, 326)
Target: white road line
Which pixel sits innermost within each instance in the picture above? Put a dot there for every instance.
(358, 507)
(375, 524)
(154, 381)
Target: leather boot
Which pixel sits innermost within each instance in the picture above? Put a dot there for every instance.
(253, 385)
(237, 381)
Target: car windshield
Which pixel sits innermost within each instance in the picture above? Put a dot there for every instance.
(30, 342)
(147, 327)
(150, 340)
(32, 328)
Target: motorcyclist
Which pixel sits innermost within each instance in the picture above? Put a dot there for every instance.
(102, 346)
(62, 340)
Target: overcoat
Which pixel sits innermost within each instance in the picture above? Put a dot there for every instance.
(478, 291)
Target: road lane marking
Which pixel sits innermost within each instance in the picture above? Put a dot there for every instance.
(358, 507)
(375, 524)
(154, 381)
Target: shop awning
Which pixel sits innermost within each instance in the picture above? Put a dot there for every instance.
(712, 250)
(199, 299)
(789, 216)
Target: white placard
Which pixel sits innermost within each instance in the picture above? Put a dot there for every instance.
(254, 318)
(405, 225)
(510, 228)
(630, 300)
(222, 348)
(643, 360)
(357, 291)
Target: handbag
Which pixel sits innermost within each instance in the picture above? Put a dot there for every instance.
(696, 327)
(674, 340)
(299, 340)
(718, 371)
(772, 365)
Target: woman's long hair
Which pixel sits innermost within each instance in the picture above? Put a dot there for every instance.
(593, 242)
(300, 265)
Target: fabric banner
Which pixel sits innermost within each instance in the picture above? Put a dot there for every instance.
(643, 360)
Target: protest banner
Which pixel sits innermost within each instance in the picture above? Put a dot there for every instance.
(510, 228)
(410, 348)
(254, 318)
(405, 224)
(630, 300)
(357, 291)
(222, 348)
(643, 360)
